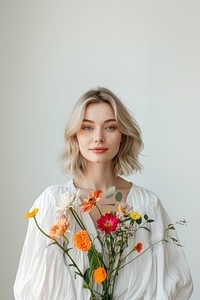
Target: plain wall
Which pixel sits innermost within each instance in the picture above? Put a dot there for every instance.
(147, 52)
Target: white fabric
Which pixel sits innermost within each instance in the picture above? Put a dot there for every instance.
(43, 274)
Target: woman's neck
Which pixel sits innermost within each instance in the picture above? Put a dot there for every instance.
(96, 178)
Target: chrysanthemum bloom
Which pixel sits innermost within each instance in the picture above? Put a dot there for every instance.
(107, 223)
(125, 208)
(82, 241)
(59, 228)
(120, 215)
(88, 203)
(138, 247)
(67, 200)
(31, 214)
(135, 215)
(100, 275)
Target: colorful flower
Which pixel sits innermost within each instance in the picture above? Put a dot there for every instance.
(100, 275)
(135, 215)
(88, 203)
(108, 223)
(59, 228)
(82, 241)
(123, 210)
(66, 201)
(138, 247)
(31, 214)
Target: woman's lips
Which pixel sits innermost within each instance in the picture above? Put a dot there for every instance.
(98, 149)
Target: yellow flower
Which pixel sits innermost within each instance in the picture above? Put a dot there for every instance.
(31, 214)
(100, 275)
(135, 215)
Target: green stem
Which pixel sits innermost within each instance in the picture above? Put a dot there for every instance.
(98, 209)
(163, 240)
(79, 221)
(41, 228)
(67, 253)
(118, 266)
(77, 218)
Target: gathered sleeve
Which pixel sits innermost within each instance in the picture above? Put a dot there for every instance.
(42, 273)
(172, 278)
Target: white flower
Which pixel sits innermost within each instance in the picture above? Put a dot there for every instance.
(67, 200)
(120, 215)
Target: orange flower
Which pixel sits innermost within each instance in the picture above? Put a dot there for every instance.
(31, 214)
(88, 203)
(59, 228)
(138, 247)
(100, 275)
(82, 241)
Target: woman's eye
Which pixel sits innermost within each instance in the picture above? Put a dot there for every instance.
(87, 127)
(110, 128)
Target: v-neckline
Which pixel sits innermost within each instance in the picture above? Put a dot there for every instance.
(86, 216)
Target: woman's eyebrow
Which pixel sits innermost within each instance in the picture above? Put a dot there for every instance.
(106, 121)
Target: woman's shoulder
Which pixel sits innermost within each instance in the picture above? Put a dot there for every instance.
(50, 195)
(144, 192)
(58, 188)
(143, 197)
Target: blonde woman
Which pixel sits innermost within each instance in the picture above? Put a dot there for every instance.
(102, 144)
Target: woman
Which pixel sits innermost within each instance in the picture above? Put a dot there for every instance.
(103, 143)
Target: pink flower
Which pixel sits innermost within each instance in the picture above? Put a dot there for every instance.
(59, 228)
(108, 223)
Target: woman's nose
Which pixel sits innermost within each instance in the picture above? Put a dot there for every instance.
(99, 138)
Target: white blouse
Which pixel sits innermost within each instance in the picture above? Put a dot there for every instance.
(161, 273)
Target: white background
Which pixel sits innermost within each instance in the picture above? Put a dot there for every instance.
(147, 52)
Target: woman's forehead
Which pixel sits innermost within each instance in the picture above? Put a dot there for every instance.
(97, 110)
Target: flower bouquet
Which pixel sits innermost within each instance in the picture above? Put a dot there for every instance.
(115, 229)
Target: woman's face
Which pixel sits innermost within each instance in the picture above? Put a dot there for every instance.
(99, 136)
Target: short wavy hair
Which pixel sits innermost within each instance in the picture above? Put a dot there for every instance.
(126, 161)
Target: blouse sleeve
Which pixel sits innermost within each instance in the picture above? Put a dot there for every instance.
(173, 278)
(42, 273)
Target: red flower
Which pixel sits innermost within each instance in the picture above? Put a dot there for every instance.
(108, 223)
(88, 203)
(138, 247)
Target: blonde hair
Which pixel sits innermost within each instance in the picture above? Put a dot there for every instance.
(126, 161)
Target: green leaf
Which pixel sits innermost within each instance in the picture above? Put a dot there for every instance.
(139, 221)
(93, 257)
(84, 286)
(127, 219)
(150, 221)
(87, 276)
(146, 228)
(146, 217)
(118, 196)
(174, 240)
(53, 243)
(111, 192)
(171, 227)
(77, 273)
